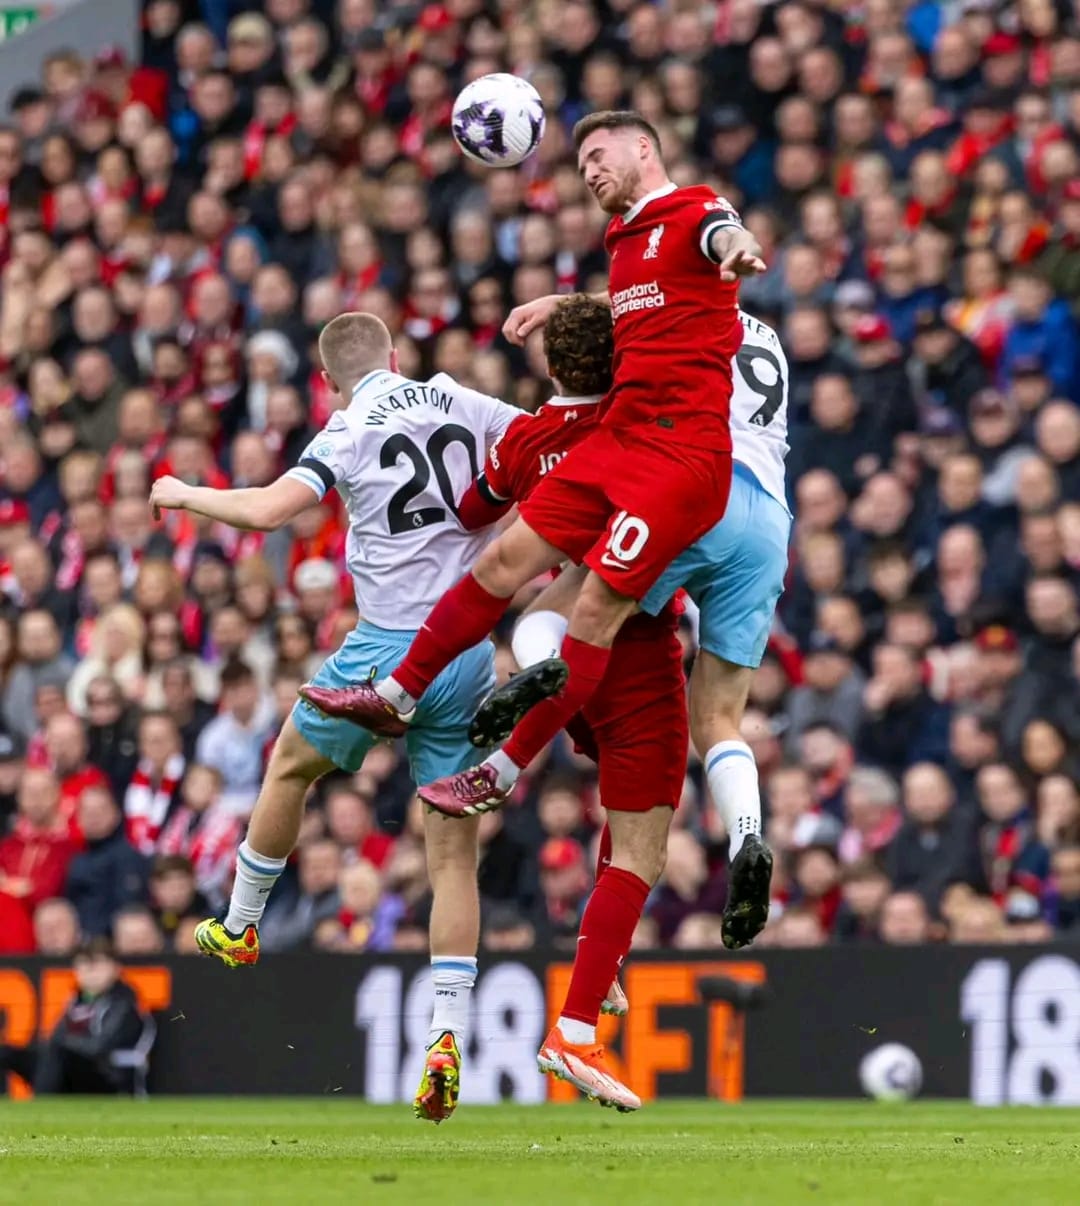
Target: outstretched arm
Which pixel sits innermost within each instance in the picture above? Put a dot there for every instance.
(523, 320)
(255, 508)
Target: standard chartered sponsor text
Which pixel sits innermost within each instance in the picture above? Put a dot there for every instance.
(637, 297)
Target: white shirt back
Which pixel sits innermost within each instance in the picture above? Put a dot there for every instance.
(402, 454)
(759, 406)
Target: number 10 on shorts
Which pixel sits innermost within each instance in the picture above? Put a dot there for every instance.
(628, 537)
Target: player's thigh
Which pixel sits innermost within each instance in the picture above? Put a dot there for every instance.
(365, 649)
(737, 596)
(437, 742)
(294, 756)
(515, 557)
(662, 503)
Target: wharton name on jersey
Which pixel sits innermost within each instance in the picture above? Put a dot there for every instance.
(403, 396)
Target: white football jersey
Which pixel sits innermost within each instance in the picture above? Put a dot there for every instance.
(402, 454)
(759, 406)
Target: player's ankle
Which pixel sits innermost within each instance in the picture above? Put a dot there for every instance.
(577, 1032)
(395, 694)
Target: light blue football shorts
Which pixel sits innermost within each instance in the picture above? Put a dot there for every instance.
(437, 741)
(734, 573)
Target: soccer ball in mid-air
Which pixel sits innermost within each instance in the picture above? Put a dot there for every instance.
(891, 1072)
(498, 119)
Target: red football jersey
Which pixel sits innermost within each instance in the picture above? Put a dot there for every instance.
(534, 444)
(530, 448)
(676, 322)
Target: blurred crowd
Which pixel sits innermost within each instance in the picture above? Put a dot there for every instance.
(176, 230)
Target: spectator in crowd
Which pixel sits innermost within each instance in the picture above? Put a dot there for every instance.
(34, 857)
(564, 886)
(56, 928)
(174, 894)
(204, 833)
(686, 886)
(101, 1020)
(110, 872)
(936, 843)
(135, 932)
(111, 731)
(901, 723)
(905, 920)
(153, 792)
(42, 663)
(67, 751)
(291, 922)
(864, 888)
(831, 691)
(233, 742)
(872, 814)
(1063, 898)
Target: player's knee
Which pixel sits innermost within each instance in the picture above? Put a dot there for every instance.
(496, 570)
(294, 758)
(641, 847)
(599, 612)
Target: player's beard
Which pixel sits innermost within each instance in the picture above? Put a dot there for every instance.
(619, 197)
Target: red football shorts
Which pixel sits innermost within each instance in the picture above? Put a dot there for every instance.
(639, 723)
(627, 506)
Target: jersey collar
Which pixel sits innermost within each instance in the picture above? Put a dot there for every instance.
(383, 372)
(638, 206)
(589, 401)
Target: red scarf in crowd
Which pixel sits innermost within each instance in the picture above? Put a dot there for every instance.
(208, 839)
(146, 804)
(255, 138)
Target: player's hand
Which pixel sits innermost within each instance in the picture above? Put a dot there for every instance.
(523, 320)
(741, 263)
(168, 494)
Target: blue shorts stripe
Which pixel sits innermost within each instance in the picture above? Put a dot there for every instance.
(728, 754)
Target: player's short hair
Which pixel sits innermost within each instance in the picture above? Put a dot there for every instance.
(353, 345)
(579, 345)
(615, 119)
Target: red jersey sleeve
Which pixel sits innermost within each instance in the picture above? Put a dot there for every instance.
(499, 482)
(717, 213)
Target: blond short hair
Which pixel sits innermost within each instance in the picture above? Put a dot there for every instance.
(353, 345)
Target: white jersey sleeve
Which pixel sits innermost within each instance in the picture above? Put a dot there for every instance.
(759, 406)
(329, 458)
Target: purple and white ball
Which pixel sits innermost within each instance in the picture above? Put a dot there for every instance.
(498, 119)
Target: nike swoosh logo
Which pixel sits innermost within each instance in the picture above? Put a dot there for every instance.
(613, 562)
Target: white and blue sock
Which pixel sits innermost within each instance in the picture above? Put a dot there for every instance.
(733, 782)
(452, 979)
(256, 875)
(537, 637)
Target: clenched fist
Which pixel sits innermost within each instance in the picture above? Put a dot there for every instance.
(168, 494)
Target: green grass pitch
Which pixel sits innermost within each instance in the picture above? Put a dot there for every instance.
(679, 1154)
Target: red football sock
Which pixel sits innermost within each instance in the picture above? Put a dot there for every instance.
(613, 911)
(603, 851)
(588, 664)
(461, 619)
